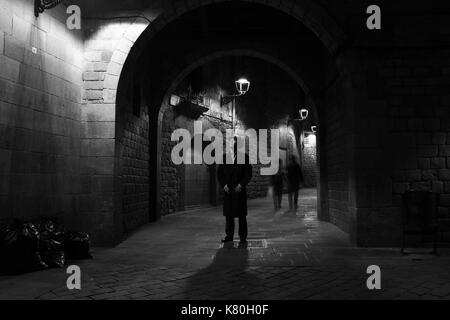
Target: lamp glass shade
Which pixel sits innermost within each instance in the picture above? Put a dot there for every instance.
(242, 86)
(304, 114)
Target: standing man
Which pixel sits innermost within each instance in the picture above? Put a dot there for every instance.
(234, 178)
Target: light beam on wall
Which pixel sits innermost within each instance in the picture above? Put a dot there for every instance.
(311, 140)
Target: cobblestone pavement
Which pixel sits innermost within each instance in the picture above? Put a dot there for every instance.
(289, 256)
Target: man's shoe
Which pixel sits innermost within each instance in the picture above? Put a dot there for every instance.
(243, 244)
(227, 240)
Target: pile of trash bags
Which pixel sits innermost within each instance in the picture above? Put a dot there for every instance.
(26, 247)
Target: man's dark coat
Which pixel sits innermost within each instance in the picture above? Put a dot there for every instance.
(235, 203)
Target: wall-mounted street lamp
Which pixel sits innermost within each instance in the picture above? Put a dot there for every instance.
(41, 5)
(314, 129)
(303, 114)
(242, 87)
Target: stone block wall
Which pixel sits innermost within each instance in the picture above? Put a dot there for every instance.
(40, 94)
(172, 176)
(115, 144)
(259, 185)
(408, 141)
(135, 171)
(334, 149)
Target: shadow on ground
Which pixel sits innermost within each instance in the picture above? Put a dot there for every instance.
(289, 256)
(227, 277)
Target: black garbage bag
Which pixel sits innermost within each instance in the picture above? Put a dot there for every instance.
(52, 252)
(51, 244)
(19, 249)
(77, 245)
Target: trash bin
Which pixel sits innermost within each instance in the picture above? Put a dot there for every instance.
(420, 216)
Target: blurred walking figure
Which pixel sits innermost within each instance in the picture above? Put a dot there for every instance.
(294, 178)
(276, 181)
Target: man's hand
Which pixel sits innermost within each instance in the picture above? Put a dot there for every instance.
(227, 190)
(238, 188)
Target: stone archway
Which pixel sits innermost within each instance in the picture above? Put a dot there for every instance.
(182, 74)
(132, 44)
(132, 40)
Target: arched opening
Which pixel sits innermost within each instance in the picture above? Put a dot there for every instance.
(273, 103)
(163, 59)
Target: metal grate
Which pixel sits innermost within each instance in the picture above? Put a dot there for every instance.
(255, 243)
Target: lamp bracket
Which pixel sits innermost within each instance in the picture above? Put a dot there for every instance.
(227, 99)
(41, 5)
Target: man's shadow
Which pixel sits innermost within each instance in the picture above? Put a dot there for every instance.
(227, 277)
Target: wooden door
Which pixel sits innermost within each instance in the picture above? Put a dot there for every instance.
(197, 185)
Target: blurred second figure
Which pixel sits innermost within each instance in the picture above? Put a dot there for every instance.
(276, 181)
(294, 178)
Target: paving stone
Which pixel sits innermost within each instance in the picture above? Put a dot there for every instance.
(335, 270)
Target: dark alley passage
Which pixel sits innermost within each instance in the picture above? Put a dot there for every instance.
(139, 140)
